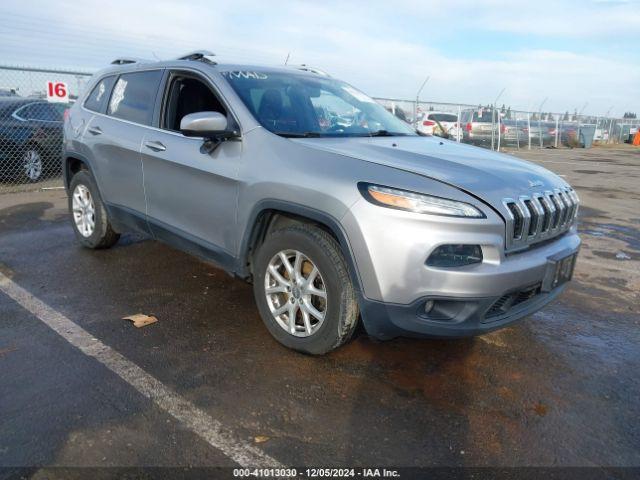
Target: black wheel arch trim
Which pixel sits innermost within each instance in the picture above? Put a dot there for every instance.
(253, 229)
(68, 154)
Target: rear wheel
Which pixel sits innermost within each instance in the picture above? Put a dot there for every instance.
(303, 290)
(89, 217)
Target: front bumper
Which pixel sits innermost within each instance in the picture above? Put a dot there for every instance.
(391, 255)
(386, 320)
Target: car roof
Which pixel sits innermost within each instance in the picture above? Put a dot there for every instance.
(10, 104)
(18, 101)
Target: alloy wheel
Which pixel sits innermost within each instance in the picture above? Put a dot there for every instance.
(296, 293)
(84, 211)
(32, 163)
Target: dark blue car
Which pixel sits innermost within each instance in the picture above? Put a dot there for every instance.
(30, 138)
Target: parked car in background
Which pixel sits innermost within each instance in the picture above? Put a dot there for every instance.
(436, 123)
(541, 130)
(512, 133)
(30, 138)
(478, 128)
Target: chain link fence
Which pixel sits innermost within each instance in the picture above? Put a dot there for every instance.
(503, 128)
(32, 108)
(33, 102)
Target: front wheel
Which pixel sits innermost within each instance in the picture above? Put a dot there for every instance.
(303, 290)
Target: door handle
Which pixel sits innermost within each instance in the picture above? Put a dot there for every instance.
(155, 146)
(95, 130)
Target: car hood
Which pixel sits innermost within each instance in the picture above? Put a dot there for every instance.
(488, 175)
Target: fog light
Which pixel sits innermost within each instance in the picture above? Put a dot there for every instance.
(428, 306)
(455, 256)
(443, 310)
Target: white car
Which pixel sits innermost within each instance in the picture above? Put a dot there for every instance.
(442, 124)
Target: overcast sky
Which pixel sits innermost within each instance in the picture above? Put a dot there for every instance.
(572, 52)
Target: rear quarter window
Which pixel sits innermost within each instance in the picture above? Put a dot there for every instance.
(40, 112)
(133, 96)
(97, 99)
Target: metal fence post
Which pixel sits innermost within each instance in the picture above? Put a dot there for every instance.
(540, 128)
(610, 130)
(529, 128)
(499, 132)
(493, 127)
(620, 136)
(555, 143)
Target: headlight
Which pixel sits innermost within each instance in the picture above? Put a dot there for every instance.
(417, 202)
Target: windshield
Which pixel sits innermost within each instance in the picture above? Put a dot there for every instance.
(298, 105)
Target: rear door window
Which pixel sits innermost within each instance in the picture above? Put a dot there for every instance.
(134, 95)
(97, 99)
(443, 117)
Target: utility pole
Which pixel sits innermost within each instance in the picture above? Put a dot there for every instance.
(415, 109)
(586, 104)
(582, 110)
(287, 59)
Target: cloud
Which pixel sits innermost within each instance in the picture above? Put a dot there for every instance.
(585, 19)
(570, 52)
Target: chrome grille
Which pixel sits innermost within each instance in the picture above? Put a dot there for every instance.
(540, 216)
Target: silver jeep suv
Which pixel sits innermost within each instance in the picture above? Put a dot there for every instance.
(333, 208)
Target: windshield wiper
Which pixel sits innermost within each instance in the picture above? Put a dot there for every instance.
(386, 133)
(298, 134)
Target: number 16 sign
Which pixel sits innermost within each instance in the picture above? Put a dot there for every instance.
(57, 92)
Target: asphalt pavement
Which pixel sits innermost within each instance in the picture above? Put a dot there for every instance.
(560, 388)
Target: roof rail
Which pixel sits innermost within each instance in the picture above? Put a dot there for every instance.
(127, 60)
(199, 56)
(308, 68)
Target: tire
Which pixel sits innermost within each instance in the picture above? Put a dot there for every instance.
(339, 307)
(88, 205)
(32, 164)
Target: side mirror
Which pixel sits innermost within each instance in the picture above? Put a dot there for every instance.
(206, 124)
